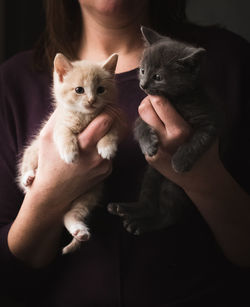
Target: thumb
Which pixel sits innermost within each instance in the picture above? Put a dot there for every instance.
(97, 128)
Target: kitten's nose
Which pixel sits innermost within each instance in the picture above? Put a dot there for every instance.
(91, 101)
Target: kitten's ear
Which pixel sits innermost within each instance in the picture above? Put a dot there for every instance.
(110, 63)
(61, 65)
(194, 58)
(150, 36)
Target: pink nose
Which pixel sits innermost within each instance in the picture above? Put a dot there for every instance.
(91, 101)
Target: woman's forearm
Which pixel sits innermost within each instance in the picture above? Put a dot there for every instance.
(226, 208)
(35, 234)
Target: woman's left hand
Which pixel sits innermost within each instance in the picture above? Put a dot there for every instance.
(173, 131)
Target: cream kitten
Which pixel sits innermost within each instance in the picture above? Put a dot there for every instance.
(81, 89)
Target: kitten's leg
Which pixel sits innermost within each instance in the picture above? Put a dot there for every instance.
(172, 207)
(147, 137)
(66, 142)
(188, 153)
(74, 219)
(107, 146)
(28, 166)
(148, 141)
(161, 204)
(148, 198)
(150, 187)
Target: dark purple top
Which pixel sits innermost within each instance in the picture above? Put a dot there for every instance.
(179, 266)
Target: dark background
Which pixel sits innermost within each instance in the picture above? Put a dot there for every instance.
(21, 21)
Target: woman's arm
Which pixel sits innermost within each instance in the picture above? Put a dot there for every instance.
(35, 234)
(222, 202)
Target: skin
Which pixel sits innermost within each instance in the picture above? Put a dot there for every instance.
(112, 26)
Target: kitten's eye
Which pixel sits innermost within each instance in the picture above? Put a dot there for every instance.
(157, 77)
(100, 90)
(79, 90)
(142, 71)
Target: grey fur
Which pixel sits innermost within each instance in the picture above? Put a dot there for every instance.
(170, 69)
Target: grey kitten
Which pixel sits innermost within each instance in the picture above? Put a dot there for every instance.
(171, 69)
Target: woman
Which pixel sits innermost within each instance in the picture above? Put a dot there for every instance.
(183, 265)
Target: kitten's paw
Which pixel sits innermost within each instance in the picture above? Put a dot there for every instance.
(128, 217)
(108, 151)
(180, 164)
(150, 145)
(149, 149)
(147, 137)
(116, 209)
(80, 232)
(27, 179)
(69, 156)
(125, 210)
(81, 235)
(133, 227)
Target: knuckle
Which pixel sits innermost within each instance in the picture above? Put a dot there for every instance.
(103, 122)
(96, 161)
(45, 134)
(184, 132)
(179, 133)
(84, 141)
(158, 101)
(108, 116)
(143, 107)
(106, 168)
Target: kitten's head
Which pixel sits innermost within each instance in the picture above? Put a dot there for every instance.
(84, 86)
(168, 67)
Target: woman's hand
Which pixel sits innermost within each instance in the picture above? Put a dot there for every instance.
(61, 181)
(173, 131)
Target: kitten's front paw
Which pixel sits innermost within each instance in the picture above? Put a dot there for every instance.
(27, 179)
(80, 232)
(150, 149)
(82, 235)
(69, 155)
(181, 164)
(108, 151)
(133, 215)
(147, 137)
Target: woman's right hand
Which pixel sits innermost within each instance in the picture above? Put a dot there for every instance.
(35, 234)
(64, 182)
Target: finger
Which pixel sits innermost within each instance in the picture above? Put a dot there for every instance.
(168, 114)
(119, 119)
(48, 127)
(177, 128)
(149, 115)
(95, 131)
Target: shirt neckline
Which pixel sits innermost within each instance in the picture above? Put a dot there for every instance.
(127, 75)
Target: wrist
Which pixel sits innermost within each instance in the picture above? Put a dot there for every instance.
(40, 202)
(207, 179)
(211, 186)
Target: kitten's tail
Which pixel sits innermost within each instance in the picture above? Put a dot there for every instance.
(72, 246)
